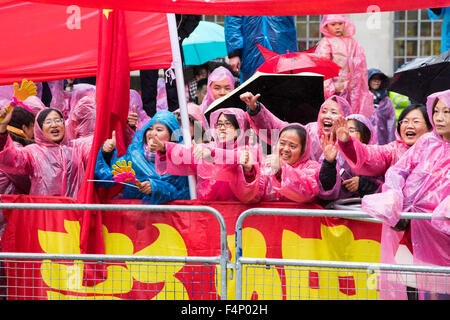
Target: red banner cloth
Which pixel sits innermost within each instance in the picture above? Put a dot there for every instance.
(49, 42)
(254, 7)
(159, 233)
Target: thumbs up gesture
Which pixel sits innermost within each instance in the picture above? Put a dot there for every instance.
(200, 152)
(110, 144)
(132, 118)
(154, 144)
(246, 161)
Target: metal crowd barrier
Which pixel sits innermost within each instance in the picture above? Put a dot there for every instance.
(221, 260)
(299, 272)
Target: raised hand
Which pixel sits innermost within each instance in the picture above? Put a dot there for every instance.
(235, 63)
(132, 117)
(200, 152)
(329, 147)
(5, 117)
(273, 161)
(342, 132)
(246, 161)
(154, 144)
(110, 144)
(250, 99)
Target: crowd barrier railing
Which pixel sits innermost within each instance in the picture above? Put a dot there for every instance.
(221, 260)
(300, 271)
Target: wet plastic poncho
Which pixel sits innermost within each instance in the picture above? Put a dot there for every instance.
(218, 178)
(242, 33)
(136, 100)
(81, 122)
(265, 120)
(165, 187)
(383, 117)
(54, 169)
(419, 182)
(372, 160)
(297, 182)
(218, 74)
(349, 55)
(344, 171)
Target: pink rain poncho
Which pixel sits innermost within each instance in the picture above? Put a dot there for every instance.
(54, 169)
(81, 122)
(297, 182)
(345, 51)
(265, 120)
(136, 100)
(372, 160)
(339, 191)
(218, 74)
(419, 182)
(218, 177)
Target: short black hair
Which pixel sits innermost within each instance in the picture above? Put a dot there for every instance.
(363, 131)
(410, 108)
(21, 116)
(44, 113)
(301, 132)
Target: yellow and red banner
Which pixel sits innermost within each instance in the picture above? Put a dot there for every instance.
(186, 234)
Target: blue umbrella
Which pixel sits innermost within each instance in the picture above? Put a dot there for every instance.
(205, 43)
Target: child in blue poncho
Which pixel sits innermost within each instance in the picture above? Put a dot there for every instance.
(154, 188)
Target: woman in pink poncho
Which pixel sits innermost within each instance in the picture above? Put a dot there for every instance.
(198, 124)
(287, 174)
(339, 46)
(54, 166)
(216, 164)
(265, 123)
(220, 82)
(420, 182)
(375, 160)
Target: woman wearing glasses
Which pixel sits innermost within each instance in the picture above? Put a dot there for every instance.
(54, 166)
(217, 165)
(420, 182)
(375, 160)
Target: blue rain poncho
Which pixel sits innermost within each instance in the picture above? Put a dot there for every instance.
(165, 187)
(242, 33)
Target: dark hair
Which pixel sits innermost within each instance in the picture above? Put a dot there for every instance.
(197, 69)
(363, 131)
(168, 128)
(44, 113)
(410, 108)
(201, 83)
(21, 116)
(301, 133)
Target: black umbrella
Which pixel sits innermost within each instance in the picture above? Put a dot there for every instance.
(421, 77)
(290, 97)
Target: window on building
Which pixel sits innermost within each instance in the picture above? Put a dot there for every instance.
(415, 35)
(308, 31)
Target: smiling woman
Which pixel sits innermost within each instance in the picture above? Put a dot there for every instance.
(55, 167)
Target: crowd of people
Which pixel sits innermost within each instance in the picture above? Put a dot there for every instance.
(356, 148)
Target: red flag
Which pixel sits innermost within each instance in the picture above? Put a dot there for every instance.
(50, 42)
(113, 87)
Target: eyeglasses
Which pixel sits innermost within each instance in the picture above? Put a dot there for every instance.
(49, 122)
(226, 125)
(352, 130)
(414, 122)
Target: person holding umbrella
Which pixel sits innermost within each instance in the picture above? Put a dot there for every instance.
(420, 182)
